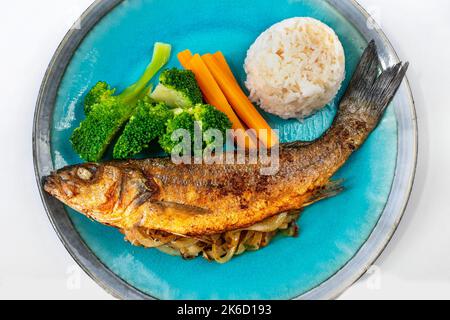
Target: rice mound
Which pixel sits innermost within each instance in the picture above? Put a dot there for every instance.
(295, 68)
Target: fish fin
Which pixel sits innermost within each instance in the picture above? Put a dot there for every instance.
(332, 189)
(179, 207)
(370, 92)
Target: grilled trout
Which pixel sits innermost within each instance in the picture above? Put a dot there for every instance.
(158, 197)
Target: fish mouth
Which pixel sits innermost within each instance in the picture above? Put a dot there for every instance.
(52, 185)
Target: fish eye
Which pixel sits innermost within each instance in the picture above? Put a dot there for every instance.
(84, 174)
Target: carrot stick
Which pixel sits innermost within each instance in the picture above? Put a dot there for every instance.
(214, 96)
(241, 104)
(184, 57)
(222, 62)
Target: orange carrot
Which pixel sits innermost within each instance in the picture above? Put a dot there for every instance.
(184, 57)
(222, 62)
(214, 96)
(241, 103)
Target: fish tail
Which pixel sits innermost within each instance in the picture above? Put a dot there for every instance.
(369, 92)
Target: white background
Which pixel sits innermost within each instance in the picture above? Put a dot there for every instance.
(34, 263)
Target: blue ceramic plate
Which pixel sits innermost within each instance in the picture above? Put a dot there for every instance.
(115, 44)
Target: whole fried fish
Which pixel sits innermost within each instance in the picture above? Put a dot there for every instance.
(201, 200)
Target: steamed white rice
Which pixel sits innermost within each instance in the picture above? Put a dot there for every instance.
(295, 67)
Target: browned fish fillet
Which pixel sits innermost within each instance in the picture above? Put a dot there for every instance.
(201, 200)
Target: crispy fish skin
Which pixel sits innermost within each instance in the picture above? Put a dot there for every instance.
(199, 200)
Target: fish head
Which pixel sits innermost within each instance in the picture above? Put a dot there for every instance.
(85, 186)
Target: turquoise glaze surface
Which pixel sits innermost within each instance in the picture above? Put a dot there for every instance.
(331, 232)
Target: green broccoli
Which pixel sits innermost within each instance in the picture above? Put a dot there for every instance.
(184, 120)
(147, 124)
(211, 119)
(92, 138)
(106, 114)
(207, 118)
(161, 55)
(178, 89)
(99, 93)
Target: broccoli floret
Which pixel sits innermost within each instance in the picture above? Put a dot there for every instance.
(207, 118)
(99, 93)
(92, 138)
(147, 124)
(184, 120)
(106, 114)
(178, 89)
(211, 119)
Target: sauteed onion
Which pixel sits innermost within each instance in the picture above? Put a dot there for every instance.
(221, 247)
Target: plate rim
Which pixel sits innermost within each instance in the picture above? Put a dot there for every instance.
(331, 288)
